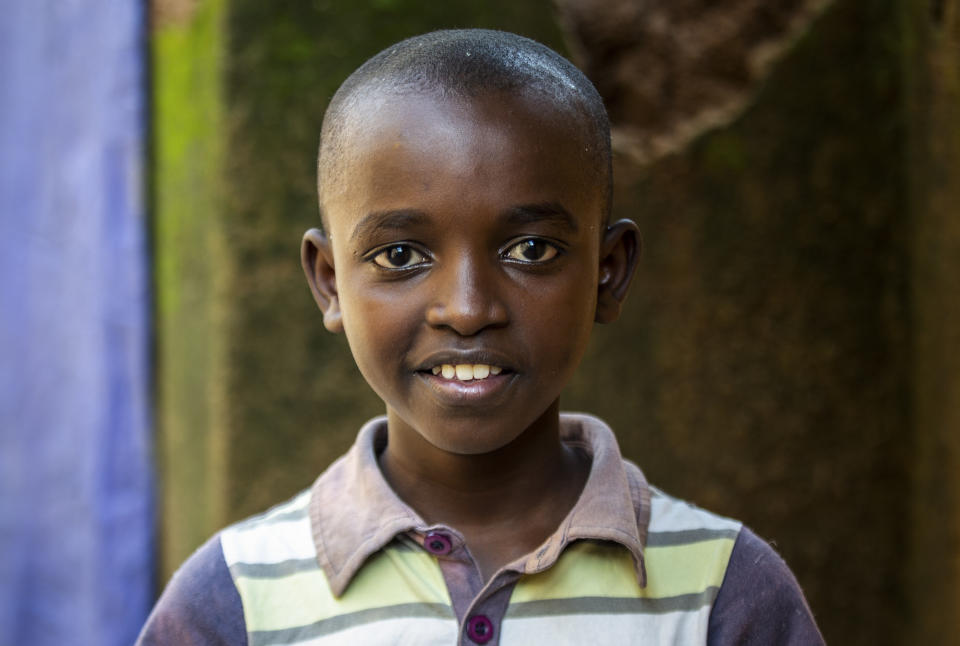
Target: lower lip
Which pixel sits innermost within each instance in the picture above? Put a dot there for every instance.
(475, 391)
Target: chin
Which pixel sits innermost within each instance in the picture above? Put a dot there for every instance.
(473, 436)
(467, 442)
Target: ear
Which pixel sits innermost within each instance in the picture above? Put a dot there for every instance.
(316, 256)
(619, 253)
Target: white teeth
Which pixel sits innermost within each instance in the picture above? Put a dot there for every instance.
(466, 371)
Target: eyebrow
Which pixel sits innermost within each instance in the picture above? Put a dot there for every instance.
(523, 214)
(543, 212)
(378, 220)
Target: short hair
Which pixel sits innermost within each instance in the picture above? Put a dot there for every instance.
(468, 63)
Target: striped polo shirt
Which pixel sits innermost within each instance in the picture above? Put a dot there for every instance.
(348, 562)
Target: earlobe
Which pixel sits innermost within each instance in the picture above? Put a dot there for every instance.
(619, 253)
(316, 257)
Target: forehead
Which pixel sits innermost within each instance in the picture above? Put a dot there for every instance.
(427, 152)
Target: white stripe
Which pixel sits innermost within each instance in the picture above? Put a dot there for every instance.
(677, 628)
(669, 514)
(271, 543)
(392, 632)
(288, 510)
(300, 501)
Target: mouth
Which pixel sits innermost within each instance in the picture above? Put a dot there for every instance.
(472, 365)
(468, 378)
(466, 371)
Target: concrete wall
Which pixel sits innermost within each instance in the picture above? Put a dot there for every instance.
(787, 354)
(768, 337)
(932, 167)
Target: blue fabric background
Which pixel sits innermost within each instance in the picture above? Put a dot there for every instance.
(76, 511)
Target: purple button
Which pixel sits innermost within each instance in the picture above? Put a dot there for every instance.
(437, 543)
(480, 629)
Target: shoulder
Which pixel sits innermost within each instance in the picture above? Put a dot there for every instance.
(760, 601)
(279, 534)
(200, 605)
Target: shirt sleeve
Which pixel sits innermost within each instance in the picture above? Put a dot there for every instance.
(199, 607)
(760, 602)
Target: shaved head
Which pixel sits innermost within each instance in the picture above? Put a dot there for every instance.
(461, 64)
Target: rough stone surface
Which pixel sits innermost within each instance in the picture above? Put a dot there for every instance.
(786, 356)
(762, 366)
(670, 70)
(932, 44)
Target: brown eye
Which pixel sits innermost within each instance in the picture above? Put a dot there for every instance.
(532, 250)
(399, 256)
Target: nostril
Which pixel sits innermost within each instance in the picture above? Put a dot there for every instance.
(467, 321)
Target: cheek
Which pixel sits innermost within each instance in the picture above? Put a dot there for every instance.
(378, 324)
(561, 319)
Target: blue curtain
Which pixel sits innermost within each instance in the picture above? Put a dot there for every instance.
(76, 511)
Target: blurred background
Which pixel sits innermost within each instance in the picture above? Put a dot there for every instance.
(789, 354)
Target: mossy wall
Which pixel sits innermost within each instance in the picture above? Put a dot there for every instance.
(783, 357)
(190, 274)
(761, 368)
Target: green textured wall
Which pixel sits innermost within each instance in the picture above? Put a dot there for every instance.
(766, 339)
(786, 355)
(190, 275)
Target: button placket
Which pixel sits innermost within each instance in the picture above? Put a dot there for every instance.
(484, 616)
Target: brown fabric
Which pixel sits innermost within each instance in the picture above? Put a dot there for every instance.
(354, 512)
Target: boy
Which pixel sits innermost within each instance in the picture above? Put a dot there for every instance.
(466, 251)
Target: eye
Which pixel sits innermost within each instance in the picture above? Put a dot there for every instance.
(532, 250)
(399, 256)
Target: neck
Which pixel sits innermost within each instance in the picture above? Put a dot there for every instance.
(467, 491)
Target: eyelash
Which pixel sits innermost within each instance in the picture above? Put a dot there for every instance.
(552, 250)
(405, 246)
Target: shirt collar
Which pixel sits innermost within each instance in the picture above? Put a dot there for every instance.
(354, 512)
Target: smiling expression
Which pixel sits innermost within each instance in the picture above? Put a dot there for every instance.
(462, 259)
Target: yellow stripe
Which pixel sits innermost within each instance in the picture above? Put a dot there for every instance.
(590, 569)
(391, 577)
(686, 569)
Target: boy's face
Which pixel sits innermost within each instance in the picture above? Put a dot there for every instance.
(466, 235)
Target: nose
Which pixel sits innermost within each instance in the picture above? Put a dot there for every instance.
(467, 298)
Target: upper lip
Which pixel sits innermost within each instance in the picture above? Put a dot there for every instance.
(454, 357)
